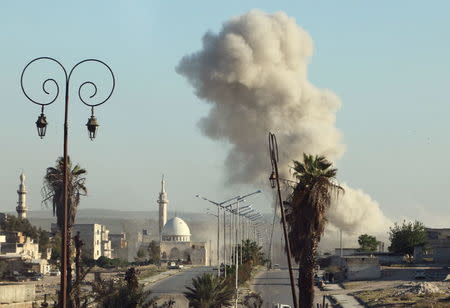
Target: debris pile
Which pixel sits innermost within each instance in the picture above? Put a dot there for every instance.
(419, 288)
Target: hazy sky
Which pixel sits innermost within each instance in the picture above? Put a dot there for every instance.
(387, 61)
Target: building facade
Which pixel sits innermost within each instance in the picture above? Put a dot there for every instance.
(95, 237)
(437, 246)
(175, 237)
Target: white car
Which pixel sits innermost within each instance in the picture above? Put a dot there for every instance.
(278, 305)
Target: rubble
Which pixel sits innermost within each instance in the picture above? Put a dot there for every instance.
(419, 288)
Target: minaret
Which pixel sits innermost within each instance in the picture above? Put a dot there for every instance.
(162, 202)
(22, 203)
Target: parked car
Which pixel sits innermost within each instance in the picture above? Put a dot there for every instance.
(420, 274)
(55, 273)
(37, 277)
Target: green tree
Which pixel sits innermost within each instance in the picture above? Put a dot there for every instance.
(124, 293)
(367, 242)
(251, 253)
(53, 189)
(306, 211)
(209, 291)
(154, 252)
(407, 236)
(53, 194)
(141, 253)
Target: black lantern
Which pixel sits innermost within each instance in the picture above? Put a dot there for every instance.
(92, 127)
(272, 179)
(41, 125)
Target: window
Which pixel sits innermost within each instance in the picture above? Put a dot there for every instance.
(98, 242)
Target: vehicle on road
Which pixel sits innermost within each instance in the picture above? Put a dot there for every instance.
(278, 305)
(420, 274)
(174, 265)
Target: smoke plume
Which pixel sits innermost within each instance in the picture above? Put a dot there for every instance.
(253, 73)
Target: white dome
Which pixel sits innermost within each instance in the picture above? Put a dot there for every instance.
(176, 227)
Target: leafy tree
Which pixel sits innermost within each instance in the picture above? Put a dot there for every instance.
(106, 262)
(13, 223)
(251, 253)
(406, 236)
(154, 252)
(141, 253)
(253, 300)
(55, 244)
(209, 291)
(306, 217)
(124, 293)
(40, 236)
(367, 242)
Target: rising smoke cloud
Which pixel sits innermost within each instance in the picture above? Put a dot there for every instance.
(254, 74)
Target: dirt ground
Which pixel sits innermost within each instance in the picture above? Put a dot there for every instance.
(398, 288)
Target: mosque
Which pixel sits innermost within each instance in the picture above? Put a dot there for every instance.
(175, 237)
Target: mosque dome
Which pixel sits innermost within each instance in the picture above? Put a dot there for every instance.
(176, 229)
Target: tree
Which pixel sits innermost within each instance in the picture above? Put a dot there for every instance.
(253, 300)
(209, 291)
(306, 216)
(154, 252)
(367, 242)
(251, 253)
(407, 236)
(124, 293)
(53, 194)
(141, 253)
(53, 190)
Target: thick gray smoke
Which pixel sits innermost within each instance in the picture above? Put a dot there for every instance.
(254, 75)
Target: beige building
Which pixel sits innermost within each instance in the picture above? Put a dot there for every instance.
(95, 237)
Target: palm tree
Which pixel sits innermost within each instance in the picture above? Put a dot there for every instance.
(209, 291)
(306, 216)
(53, 189)
(53, 194)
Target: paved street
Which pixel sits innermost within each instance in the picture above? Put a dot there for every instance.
(274, 287)
(174, 286)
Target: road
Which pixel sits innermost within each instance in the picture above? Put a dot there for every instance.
(274, 287)
(174, 286)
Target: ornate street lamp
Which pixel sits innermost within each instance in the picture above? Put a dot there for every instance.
(41, 125)
(92, 125)
(273, 180)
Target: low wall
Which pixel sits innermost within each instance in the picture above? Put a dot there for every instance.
(17, 293)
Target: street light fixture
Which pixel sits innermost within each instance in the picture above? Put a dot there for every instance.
(41, 125)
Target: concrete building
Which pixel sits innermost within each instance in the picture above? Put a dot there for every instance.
(18, 244)
(22, 208)
(437, 246)
(119, 245)
(360, 267)
(175, 237)
(95, 238)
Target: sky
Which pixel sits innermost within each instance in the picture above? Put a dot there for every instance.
(387, 61)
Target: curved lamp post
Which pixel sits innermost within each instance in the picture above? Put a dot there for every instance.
(41, 125)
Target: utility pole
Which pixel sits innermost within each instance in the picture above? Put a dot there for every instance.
(273, 150)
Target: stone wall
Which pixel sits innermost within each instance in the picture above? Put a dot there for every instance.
(17, 293)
